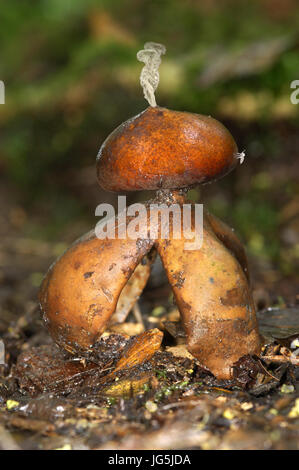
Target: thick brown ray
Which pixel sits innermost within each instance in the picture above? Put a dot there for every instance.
(213, 296)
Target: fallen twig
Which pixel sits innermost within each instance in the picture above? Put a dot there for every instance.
(267, 372)
(281, 359)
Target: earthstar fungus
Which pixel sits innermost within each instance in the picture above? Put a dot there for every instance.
(97, 280)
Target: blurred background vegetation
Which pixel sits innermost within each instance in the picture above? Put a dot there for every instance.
(71, 77)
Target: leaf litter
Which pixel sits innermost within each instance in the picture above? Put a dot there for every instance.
(145, 391)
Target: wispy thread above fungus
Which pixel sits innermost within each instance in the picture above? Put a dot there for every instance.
(149, 77)
(241, 156)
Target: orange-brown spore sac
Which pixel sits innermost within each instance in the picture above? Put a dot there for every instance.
(160, 148)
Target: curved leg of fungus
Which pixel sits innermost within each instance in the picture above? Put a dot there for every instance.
(229, 239)
(81, 290)
(213, 296)
(133, 289)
